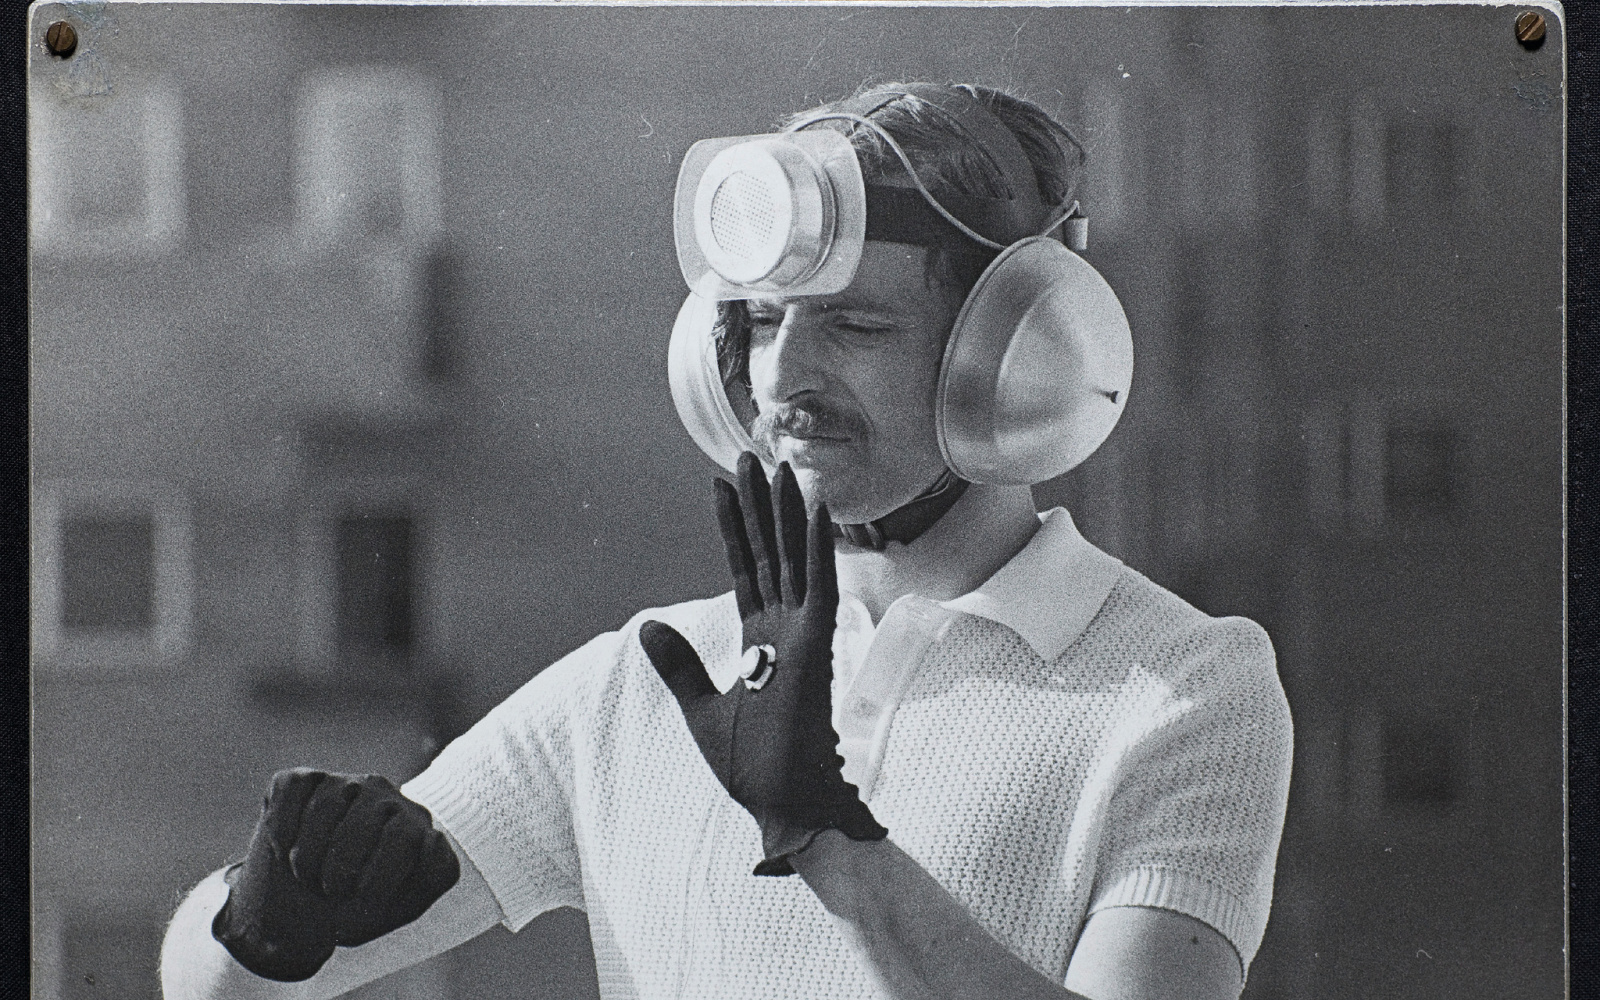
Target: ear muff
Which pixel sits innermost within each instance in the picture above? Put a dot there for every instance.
(697, 389)
(1037, 369)
(1035, 374)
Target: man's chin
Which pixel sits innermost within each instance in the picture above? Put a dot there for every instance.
(850, 500)
(842, 477)
(822, 485)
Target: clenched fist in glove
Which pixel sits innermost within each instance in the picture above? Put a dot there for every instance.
(335, 860)
(770, 739)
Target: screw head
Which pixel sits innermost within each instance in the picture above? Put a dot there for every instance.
(61, 39)
(1530, 29)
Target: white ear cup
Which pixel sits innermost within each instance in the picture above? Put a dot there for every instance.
(1037, 369)
(696, 381)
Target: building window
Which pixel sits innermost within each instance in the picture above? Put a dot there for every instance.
(1365, 466)
(108, 574)
(440, 312)
(375, 583)
(1407, 768)
(106, 171)
(1423, 163)
(1418, 764)
(112, 574)
(368, 158)
(1420, 471)
(1344, 474)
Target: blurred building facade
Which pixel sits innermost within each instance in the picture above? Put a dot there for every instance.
(350, 413)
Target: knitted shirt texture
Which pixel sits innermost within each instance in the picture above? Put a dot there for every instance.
(1071, 739)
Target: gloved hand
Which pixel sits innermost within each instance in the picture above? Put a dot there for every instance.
(335, 860)
(770, 740)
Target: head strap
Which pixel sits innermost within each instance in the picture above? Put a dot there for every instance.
(902, 215)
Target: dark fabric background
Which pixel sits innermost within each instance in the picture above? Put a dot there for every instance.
(14, 924)
(1583, 381)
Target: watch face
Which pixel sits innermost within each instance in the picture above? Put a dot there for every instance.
(379, 358)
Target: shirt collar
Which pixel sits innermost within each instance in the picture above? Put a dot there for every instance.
(1050, 591)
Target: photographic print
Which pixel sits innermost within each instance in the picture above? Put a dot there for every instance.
(797, 500)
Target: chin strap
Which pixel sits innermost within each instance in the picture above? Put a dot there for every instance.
(906, 524)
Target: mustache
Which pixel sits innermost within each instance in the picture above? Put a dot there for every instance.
(802, 420)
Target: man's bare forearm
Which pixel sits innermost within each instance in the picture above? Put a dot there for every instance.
(917, 942)
(914, 940)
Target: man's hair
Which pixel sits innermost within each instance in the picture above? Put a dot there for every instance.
(948, 162)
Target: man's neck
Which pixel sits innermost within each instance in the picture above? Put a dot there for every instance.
(985, 528)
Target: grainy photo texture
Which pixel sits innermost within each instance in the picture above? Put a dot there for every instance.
(815, 500)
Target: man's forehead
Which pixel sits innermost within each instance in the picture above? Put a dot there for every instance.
(891, 276)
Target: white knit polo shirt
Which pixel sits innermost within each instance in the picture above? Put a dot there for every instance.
(1068, 737)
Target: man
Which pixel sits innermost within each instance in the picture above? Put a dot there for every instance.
(963, 753)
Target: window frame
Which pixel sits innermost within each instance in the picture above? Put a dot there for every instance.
(172, 575)
(159, 224)
(318, 654)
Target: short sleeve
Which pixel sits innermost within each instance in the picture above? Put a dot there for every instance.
(504, 788)
(1194, 822)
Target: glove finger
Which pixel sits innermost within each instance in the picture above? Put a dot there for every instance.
(677, 663)
(372, 909)
(439, 869)
(286, 800)
(741, 561)
(354, 842)
(822, 580)
(318, 821)
(756, 499)
(434, 874)
(789, 506)
(383, 786)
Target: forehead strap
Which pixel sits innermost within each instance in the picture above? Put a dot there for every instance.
(902, 215)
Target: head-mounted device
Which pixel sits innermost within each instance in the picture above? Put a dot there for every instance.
(1038, 364)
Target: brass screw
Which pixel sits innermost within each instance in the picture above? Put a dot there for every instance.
(61, 39)
(1530, 29)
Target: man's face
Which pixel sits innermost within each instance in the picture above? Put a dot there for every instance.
(845, 384)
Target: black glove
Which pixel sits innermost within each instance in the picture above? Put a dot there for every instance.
(770, 740)
(335, 860)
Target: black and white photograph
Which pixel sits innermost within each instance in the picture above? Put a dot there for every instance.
(876, 501)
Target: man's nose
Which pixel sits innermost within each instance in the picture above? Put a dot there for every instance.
(794, 361)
